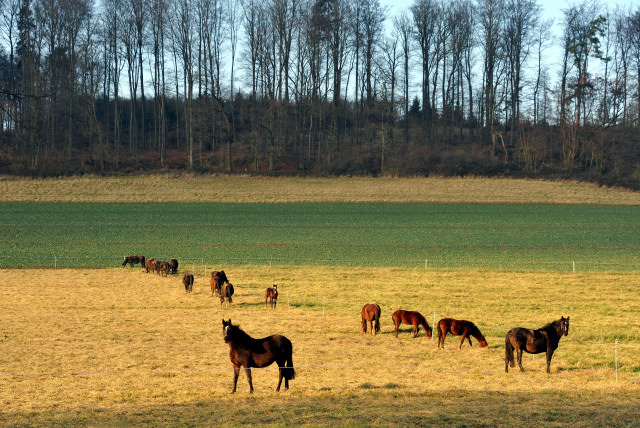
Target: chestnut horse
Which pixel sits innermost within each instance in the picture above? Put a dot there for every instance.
(247, 352)
(371, 312)
(272, 295)
(187, 280)
(412, 318)
(150, 264)
(544, 339)
(457, 328)
(217, 279)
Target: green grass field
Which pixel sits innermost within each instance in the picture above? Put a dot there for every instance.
(495, 236)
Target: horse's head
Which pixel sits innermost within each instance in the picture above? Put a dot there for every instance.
(564, 325)
(226, 330)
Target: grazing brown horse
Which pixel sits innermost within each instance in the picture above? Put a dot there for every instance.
(226, 293)
(162, 268)
(150, 264)
(544, 339)
(463, 328)
(173, 265)
(217, 279)
(247, 352)
(412, 318)
(371, 312)
(133, 260)
(187, 280)
(272, 295)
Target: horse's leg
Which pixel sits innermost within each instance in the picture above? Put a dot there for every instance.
(248, 370)
(464, 336)
(364, 326)
(549, 355)
(236, 373)
(373, 327)
(415, 329)
(469, 339)
(280, 376)
(519, 355)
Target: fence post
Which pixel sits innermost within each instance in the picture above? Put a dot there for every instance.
(324, 301)
(433, 328)
(426, 263)
(288, 307)
(55, 262)
(616, 353)
(574, 267)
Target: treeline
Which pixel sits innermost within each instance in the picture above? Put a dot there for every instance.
(320, 87)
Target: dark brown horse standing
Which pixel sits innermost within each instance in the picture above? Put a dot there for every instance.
(226, 293)
(134, 260)
(271, 294)
(187, 280)
(412, 318)
(463, 328)
(217, 279)
(247, 352)
(544, 339)
(371, 312)
(173, 265)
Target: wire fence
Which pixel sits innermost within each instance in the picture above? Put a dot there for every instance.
(310, 368)
(204, 267)
(575, 266)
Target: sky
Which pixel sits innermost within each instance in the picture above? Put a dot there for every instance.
(551, 9)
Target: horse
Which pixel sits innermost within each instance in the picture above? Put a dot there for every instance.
(457, 328)
(187, 280)
(163, 268)
(150, 264)
(217, 279)
(271, 294)
(226, 292)
(133, 260)
(247, 352)
(173, 265)
(544, 339)
(412, 318)
(371, 312)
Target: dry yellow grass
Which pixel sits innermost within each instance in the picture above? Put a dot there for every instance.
(214, 188)
(120, 347)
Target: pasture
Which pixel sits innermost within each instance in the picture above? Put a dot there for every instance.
(92, 344)
(117, 346)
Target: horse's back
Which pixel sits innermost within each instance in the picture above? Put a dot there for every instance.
(371, 311)
(409, 317)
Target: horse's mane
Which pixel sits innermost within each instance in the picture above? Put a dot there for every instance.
(553, 325)
(239, 334)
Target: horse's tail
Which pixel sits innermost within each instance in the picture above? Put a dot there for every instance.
(508, 353)
(377, 318)
(288, 372)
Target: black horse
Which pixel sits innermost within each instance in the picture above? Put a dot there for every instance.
(544, 339)
(247, 352)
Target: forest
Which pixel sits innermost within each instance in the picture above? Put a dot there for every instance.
(320, 87)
